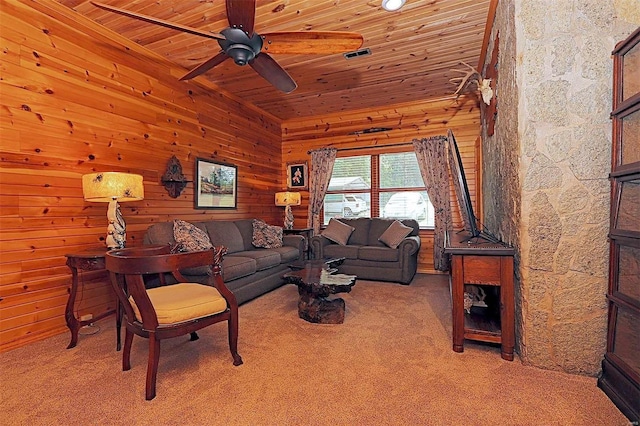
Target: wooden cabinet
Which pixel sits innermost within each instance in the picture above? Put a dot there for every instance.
(620, 378)
(485, 268)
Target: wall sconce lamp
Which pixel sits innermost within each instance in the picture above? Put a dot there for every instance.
(111, 187)
(288, 199)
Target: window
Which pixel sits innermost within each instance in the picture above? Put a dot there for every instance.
(382, 185)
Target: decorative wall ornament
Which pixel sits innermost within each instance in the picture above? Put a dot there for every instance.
(472, 77)
(173, 179)
(297, 175)
(491, 111)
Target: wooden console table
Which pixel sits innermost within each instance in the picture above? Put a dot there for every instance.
(482, 263)
(89, 260)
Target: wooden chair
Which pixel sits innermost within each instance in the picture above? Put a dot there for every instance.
(169, 310)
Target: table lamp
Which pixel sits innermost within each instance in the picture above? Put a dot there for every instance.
(111, 187)
(288, 199)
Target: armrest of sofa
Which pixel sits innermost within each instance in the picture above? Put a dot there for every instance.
(296, 241)
(409, 246)
(318, 242)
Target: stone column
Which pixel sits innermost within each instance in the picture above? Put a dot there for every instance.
(547, 190)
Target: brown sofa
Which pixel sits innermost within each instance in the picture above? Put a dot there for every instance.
(367, 257)
(247, 271)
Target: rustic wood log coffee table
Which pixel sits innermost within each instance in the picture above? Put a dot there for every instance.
(316, 280)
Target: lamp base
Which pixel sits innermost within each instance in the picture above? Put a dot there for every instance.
(288, 218)
(116, 231)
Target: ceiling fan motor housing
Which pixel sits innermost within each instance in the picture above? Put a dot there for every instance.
(240, 46)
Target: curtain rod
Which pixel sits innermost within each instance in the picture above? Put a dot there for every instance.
(390, 145)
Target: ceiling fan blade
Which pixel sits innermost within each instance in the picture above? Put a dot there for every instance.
(311, 42)
(242, 14)
(205, 66)
(157, 21)
(271, 71)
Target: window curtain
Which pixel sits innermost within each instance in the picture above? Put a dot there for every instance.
(321, 168)
(432, 159)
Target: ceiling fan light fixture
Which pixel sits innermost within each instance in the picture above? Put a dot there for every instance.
(240, 54)
(392, 5)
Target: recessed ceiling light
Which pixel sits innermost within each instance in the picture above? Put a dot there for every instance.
(392, 5)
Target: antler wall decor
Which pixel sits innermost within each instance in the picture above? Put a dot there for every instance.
(471, 77)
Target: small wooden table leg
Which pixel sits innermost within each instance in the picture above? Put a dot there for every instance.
(72, 322)
(457, 298)
(89, 260)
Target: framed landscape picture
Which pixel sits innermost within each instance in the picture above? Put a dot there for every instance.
(297, 175)
(216, 185)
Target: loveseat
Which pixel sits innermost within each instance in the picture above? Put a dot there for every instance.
(366, 256)
(248, 271)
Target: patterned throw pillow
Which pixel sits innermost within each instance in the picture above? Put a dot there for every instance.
(189, 237)
(266, 236)
(395, 233)
(338, 232)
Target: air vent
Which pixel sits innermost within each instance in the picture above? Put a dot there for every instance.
(357, 53)
(371, 130)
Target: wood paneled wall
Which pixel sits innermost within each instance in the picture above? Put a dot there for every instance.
(76, 98)
(407, 121)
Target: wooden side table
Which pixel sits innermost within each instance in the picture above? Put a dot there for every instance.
(306, 233)
(88, 260)
(482, 263)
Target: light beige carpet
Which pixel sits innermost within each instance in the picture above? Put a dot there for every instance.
(390, 363)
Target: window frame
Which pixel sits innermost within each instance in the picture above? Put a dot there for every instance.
(375, 190)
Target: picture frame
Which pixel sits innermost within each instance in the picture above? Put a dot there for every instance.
(298, 175)
(215, 185)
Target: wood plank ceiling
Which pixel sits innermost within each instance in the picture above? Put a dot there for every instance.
(413, 50)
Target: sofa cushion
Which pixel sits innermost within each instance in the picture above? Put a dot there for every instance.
(160, 233)
(234, 267)
(265, 258)
(245, 226)
(225, 233)
(337, 250)
(394, 234)
(337, 231)
(287, 253)
(266, 236)
(378, 254)
(377, 228)
(360, 234)
(191, 237)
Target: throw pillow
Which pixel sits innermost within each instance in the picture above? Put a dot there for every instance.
(338, 232)
(189, 237)
(266, 236)
(395, 233)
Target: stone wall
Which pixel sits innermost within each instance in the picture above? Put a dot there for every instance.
(547, 192)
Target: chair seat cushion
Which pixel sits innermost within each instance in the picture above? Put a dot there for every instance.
(183, 302)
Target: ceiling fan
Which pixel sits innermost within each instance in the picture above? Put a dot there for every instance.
(245, 46)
